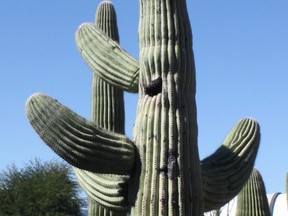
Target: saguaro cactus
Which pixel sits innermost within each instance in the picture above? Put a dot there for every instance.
(252, 199)
(167, 177)
(107, 112)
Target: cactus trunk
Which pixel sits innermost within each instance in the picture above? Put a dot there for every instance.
(166, 125)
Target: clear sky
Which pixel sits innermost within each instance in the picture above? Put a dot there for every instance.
(241, 54)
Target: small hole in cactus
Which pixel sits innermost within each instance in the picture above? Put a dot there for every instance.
(154, 88)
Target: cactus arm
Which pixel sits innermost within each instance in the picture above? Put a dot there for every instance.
(106, 58)
(225, 172)
(106, 192)
(80, 142)
(252, 199)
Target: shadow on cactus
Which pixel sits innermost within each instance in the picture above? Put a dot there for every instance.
(252, 199)
(166, 176)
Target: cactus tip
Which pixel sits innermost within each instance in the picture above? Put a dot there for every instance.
(82, 25)
(32, 98)
(105, 1)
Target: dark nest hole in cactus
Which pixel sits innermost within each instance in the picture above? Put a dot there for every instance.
(154, 88)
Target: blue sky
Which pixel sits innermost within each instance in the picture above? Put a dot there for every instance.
(241, 54)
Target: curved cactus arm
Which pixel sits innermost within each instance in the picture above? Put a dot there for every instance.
(77, 140)
(225, 172)
(106, 58)
(110, 191)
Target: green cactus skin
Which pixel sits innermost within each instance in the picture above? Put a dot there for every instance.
(100, 210)
(252, 199)
(116, 66)
(79, 141)
(107, 106)
(106, 192)
(166, 178)
(106, 19)
(222, 170)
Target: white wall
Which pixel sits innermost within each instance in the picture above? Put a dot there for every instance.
(280, 207)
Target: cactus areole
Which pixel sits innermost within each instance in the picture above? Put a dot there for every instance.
(161, 163)
(165, 132)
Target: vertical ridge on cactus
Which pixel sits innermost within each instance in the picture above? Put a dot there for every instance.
(252, 199)
(107, 106)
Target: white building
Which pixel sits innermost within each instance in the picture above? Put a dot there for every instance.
(277, 204)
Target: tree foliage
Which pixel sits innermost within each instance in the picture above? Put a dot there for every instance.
(40, 188)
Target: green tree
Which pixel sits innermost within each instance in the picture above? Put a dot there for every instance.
(40, 188)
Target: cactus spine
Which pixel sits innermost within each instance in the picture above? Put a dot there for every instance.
(107, 112)
(252, 199)
(162, 161)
